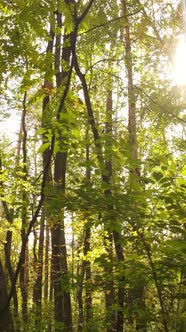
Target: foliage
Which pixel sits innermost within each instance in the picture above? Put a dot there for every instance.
(82, 214)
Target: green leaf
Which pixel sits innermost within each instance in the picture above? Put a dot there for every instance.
(44, 147)
(183, 171)
(135, 185)
(157, 175)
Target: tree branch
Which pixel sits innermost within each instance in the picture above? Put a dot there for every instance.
(160, 106)
(85, 12)
(107, 22)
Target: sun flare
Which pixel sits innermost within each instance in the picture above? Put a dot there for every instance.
(180, 62)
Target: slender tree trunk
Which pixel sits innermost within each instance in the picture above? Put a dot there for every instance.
(24, 268)
(43, 262)
(118, 317)
(88, 291)
(109, 286)
(37, 287)
(156, 281)
(46, 265)
(136, 293)
(87, 242)
(6, 322)
(85, 309)
(131, 90)
(7, 249)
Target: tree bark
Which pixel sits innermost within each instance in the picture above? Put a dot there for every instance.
(85, 309)
(109, 287)
(60, 278)
(37, 287)
(46, 117)
(6, 322)
(24, 269)
(46, 265)
(136, 293)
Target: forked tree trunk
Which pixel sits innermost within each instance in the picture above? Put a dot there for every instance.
(60, 277)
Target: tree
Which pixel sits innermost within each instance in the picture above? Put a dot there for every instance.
(92, 195)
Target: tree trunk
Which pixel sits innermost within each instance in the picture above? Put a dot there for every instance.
(7, 249)
(46, 213)
(136, 293)
(131, 90)
(6, 323)
(24, 269)
(37, 287)
(47, 265)
(109, 287)
(60, 278)
(85, 311)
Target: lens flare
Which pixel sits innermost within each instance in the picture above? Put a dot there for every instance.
(180, 62)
